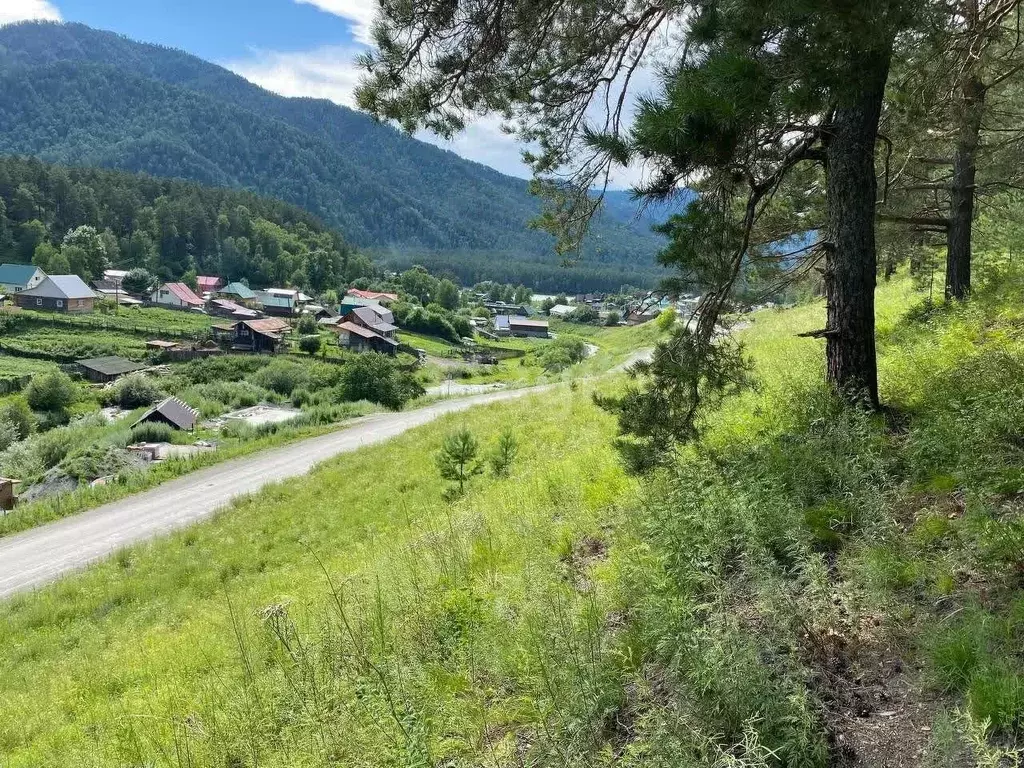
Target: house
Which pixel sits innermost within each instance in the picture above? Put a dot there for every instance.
(561, 310)
(228, 308)
(58, 293)
(276, 305)
(15, 278)
(262, 335)
(360, 339)
(282, 301)
(352, 302)
(501, 308)
(240, 293)
(516, 325)
(376, 319)
(209, 284)
(331, 322)
(115, 276)
(176, 296)
(101, 370)
(377, 297)
(319, 312)
(172, 412)
(117, 295)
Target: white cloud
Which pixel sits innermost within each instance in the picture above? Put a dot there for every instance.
(25, 10)
(323, 73)
(359, 12)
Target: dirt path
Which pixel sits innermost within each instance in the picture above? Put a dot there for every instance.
(43, 554)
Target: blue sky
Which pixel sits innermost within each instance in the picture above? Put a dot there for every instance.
(292, 47)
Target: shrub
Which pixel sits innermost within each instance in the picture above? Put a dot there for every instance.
(374, 377)
(9, 434)
(282, 377)
(301, 397)
(562, 353)
(584, 313)
(310, 344)
(16, 411)
(612, 319)
(307, 325)
(134, 391)
(152, 432)
(50, 392)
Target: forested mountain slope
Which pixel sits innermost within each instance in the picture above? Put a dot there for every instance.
(166, 226)
(72, 94)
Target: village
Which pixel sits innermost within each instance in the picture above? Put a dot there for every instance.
(107, 382)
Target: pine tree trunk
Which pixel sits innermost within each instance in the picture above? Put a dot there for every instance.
(850, 265)
(961, 213)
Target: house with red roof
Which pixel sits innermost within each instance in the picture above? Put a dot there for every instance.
(176, 296)
(210, 284)
(377, 296)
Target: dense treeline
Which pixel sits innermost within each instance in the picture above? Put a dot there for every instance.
(543, 276)
(78, 219)
(70, 94)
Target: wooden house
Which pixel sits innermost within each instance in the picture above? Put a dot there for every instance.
(263, 335)
(58, 293)
(358, 338)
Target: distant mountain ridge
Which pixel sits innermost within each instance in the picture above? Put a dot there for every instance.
(71, 94)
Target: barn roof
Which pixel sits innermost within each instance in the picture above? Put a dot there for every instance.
(184, 294)
(175, 411)
(112, 365)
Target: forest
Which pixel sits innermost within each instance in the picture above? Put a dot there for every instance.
(110, 218)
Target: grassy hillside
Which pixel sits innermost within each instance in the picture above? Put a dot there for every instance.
(808, 587)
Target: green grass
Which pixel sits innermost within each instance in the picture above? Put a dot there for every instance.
(143, 321)
(69, 345)
(569, 615)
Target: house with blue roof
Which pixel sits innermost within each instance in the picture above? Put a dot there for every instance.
(58, 293)
(15, 278)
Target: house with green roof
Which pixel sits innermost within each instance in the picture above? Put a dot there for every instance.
(15, 278)
(239, 292)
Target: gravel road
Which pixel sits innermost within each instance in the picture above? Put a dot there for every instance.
(40, 555)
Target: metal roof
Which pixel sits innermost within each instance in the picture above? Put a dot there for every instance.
(183, 293)
(175, 411)
(61, 287)
(111, 365)
(365, 333)
(17, 274)
(240, 290)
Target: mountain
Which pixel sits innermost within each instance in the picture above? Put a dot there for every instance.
(74, 95)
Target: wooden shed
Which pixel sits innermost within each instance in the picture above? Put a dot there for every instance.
(172, 412)
(101, 370)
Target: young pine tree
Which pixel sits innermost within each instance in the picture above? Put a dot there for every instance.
(504, 453)
(457, 460)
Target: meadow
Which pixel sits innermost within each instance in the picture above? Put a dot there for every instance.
(806, 586)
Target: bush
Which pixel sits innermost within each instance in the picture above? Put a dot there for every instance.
(584, 313)
(9, 434)
(562, 353)
(310, 344)
(152, 432)
(374, 377)
(16, 411)
(134, 391)
(612, 319)
(307, 325)
(282, 377)
(50, 392)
